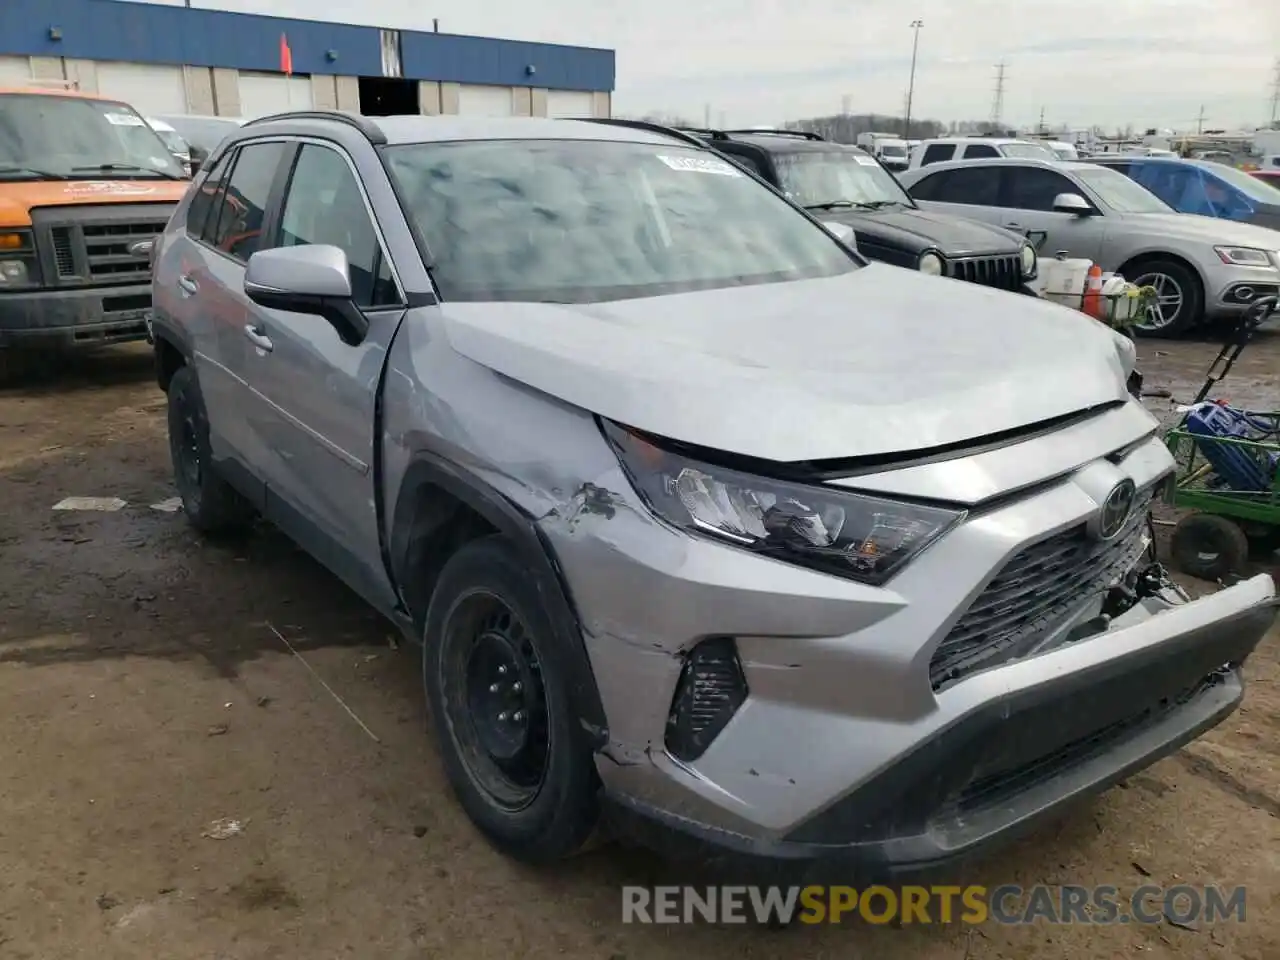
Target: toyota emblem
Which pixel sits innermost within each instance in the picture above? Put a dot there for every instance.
(1116, 509)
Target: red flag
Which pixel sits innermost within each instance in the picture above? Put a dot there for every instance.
(286, 57)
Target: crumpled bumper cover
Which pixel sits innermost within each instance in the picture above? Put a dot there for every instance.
(1007, 764)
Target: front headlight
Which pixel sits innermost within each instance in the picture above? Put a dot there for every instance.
(931, 264)
(850, 535)
(17, 259)
(1126, 350)
(1028, 257)
(1244, 256)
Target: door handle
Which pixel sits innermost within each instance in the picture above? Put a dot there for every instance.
(258, 338)
(1013, 226)
(189, 286)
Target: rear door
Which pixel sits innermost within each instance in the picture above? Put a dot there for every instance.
(317, 392)
(1026, 198)
(212, 285)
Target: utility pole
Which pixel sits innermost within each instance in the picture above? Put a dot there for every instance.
(1275, 99)
(845, 102)
(911, 85)
(1041, 128)
(1200, 121)
(997, 104)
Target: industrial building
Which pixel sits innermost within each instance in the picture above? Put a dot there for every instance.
(173, 60)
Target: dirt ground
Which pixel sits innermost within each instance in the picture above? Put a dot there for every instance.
(145, 696)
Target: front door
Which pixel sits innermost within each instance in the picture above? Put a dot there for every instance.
(1026, 203)
(318, 392)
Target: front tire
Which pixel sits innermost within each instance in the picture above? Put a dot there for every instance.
(1180, 296)
(209, 502)
(1209, 547)
(495, 679)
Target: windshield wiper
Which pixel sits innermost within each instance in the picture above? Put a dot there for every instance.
(838, 204)
(34, 172)
(881, 204)
(114, 167)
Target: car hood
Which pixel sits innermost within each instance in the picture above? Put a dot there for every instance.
(920, 230)
(878, 361)
(1212, 230)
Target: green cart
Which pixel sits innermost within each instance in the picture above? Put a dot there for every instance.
(1228, 473)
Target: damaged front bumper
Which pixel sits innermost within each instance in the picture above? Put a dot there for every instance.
(848, 748)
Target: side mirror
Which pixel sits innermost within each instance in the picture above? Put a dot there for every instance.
(312, 279)
(198, 157)
(1073, 204)
(842, 232)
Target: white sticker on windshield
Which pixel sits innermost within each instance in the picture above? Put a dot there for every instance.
(863, 159)
(700, 165)
(125, 120)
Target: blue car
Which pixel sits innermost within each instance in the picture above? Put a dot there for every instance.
(1202, 187)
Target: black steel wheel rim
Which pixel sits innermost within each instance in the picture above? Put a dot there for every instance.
(495, 699)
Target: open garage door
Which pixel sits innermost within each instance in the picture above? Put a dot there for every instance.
(568, 103)
(262, 94)
(148, 88)
(478, 101)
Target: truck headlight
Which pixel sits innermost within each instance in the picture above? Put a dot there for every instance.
(931, 264)
(847, 534)
(13, 273)
(17, 258)
(1029, 261)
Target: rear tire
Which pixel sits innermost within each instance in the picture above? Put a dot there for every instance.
(497, 687)
(211, 505)
(1209, 547)
(1172, 279)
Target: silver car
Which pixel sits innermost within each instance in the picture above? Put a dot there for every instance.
(1202, 268)
(703, 520)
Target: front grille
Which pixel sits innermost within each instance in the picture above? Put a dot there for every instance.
(1034, 593)
(1002, 272)
(107, 250)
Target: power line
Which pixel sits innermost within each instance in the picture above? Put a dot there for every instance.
(997, 105)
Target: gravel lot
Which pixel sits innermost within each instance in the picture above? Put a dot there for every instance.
(146, 696)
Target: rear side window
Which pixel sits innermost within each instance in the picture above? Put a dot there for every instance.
(975, 186)
(937, 153)
(976, 150)
(206, 196)
(240, 214)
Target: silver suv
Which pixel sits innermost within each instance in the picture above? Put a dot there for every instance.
(704, 521)
(1202, 267)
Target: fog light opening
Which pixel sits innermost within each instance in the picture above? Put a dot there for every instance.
(711, 688)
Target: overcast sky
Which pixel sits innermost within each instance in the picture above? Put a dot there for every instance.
(1112, 62)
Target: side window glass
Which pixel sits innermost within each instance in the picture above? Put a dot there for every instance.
(980, 150)
(937, 153)
(324, 205)
(237, 229)
(205, 198)
(1034, 188)
(976, 186)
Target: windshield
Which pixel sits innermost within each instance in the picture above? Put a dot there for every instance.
(1065, 153)
(176, 145)
(44, 135)
(582, 221)
(1120, 193)
(1249, 186)
(1033, 151)
(818, 177)
(893, 150)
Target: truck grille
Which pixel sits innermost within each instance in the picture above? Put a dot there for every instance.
(1002, 272)
(90, 245)
(1035, 592)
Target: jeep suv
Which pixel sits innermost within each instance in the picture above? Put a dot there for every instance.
(846, 185)
(702, 520)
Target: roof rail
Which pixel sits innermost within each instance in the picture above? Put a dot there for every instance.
(803, 134)
(373, 133)
(706, 133)
(651, 127)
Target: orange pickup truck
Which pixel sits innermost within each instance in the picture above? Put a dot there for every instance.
(85, 187)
